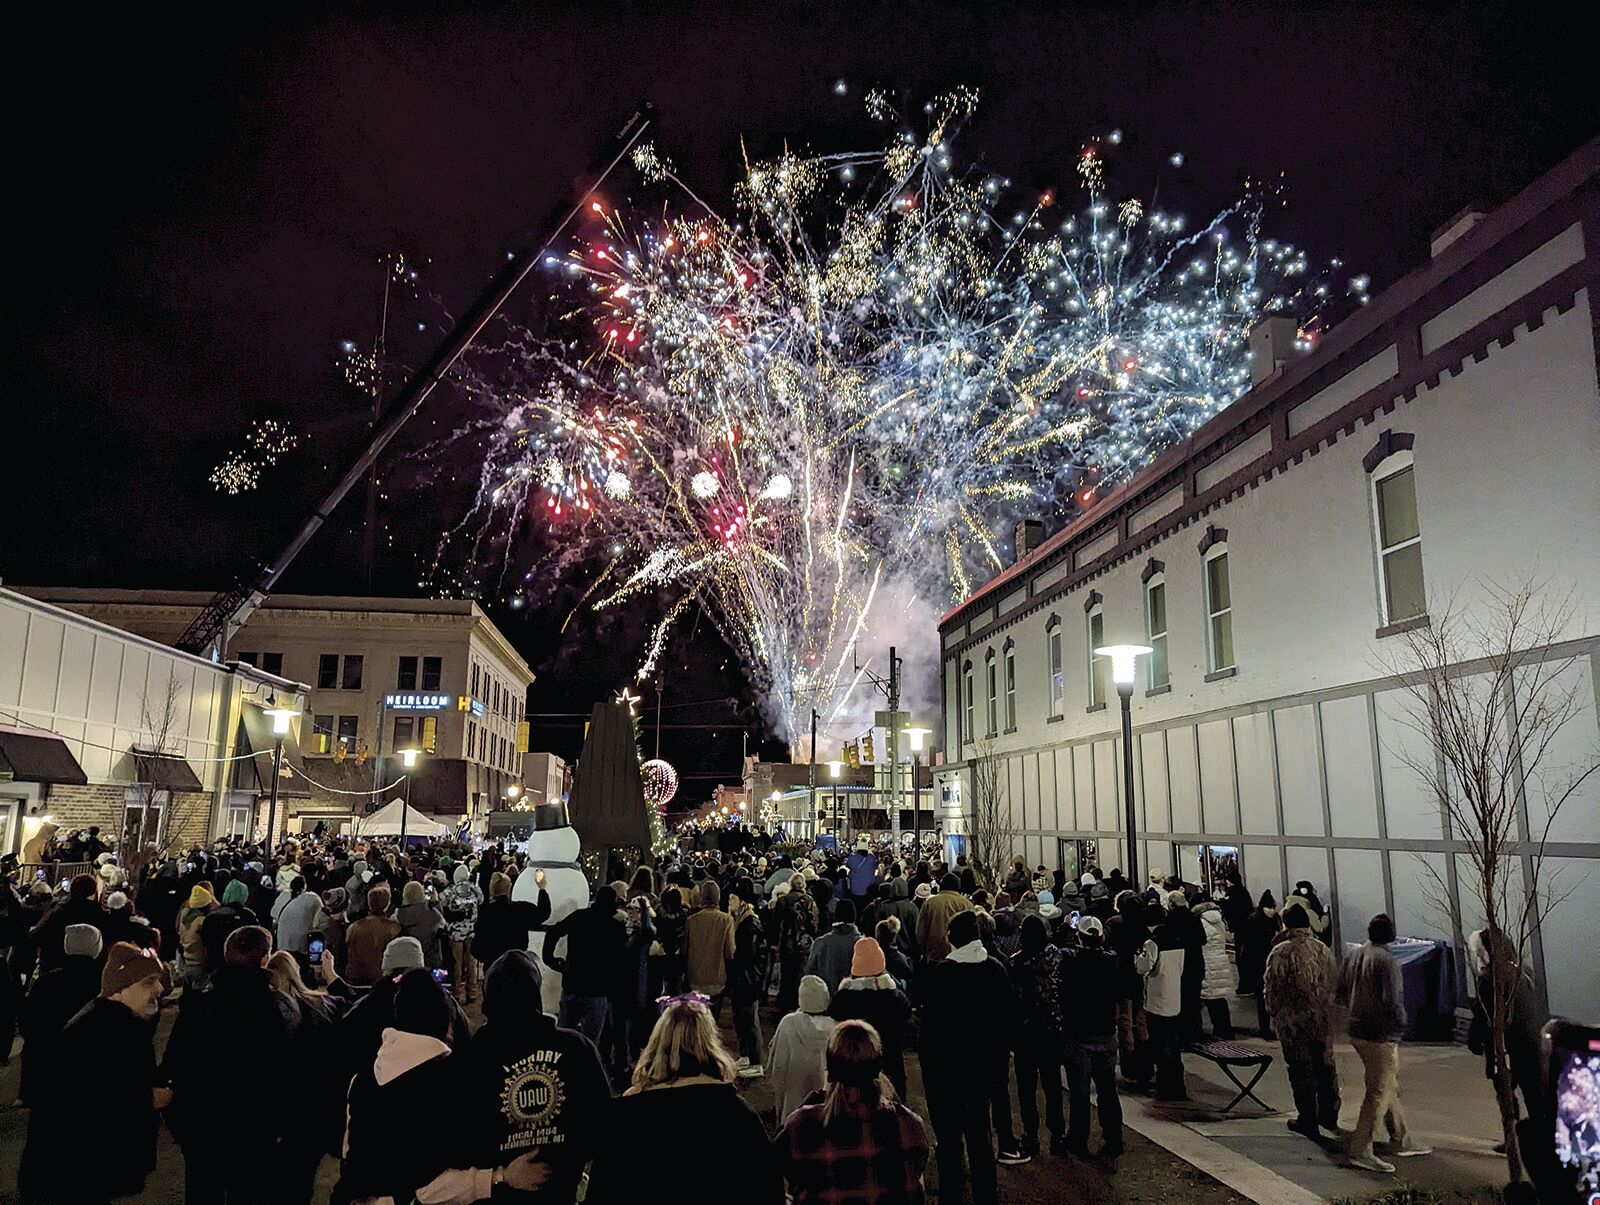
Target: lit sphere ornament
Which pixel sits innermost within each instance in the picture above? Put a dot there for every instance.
(660, 782)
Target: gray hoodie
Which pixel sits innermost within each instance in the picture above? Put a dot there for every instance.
(1370, 985)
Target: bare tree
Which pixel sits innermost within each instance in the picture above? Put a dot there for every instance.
(159, 720)
(1489, 692)
(993, 830)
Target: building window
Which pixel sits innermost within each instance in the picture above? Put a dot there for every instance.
(322, 734)
(249, 659)
(475, 693)
(432, 672)
(1057, 683)
(327, 671)
(1399, 544)
(472, 740)
(1011, 690)
(240, 824)
(969, 711)
(1155, 626)
(272, 663)
(991, 680)
(349, 725)
(429, 739)
(406, 678)
(404, 726)
(352, 671)
(1096, 625)
(143, 818)
(1219, 611)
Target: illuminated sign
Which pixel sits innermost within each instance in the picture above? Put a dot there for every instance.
(410, 701)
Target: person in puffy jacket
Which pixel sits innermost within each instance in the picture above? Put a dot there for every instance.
(1217, 980)
(1298, 986)
(420, 918)
(1162, 962)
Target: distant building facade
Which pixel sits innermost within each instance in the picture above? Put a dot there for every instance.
(384, 674)
(100, 727)
(1442, 441)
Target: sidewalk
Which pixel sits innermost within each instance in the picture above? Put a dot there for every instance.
(1448, 1105)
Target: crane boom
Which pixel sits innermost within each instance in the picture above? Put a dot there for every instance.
(227, 612)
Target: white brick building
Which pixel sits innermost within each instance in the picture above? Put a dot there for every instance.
(1445, 438)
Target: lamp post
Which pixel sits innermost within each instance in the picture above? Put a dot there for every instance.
(834, 767)
(281, 718)
(408, 759)
(916, 736)
(1124, 671)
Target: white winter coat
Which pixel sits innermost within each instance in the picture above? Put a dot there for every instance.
(796, 1059)
(1220, 980)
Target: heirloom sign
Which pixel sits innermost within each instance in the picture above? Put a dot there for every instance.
(409, 701)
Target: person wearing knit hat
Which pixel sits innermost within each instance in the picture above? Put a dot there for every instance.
(54, 998)
(873, 995)
(231, 914)
(459, 903)
(420, 918)
(402, 954)
(109, 1044)
(80, 908)
(796, 1057)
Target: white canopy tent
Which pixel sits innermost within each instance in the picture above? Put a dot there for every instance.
(385, 822)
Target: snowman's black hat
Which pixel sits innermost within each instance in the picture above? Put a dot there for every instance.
(550, 815)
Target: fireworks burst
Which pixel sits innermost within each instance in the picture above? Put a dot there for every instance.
(264, 443)
(810, 421)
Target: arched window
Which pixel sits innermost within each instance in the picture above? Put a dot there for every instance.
(1219, 601)
(1155, 623)
(1396, 530)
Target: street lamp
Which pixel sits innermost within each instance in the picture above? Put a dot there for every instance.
(1124, 671)
(281, 718)
(408, 759)
(916, 736)
(834, 769)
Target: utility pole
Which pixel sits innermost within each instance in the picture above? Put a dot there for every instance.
(659, 684)
(893, 749)
(369, 531)
(811, 777)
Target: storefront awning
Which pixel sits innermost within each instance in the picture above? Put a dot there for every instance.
(32, 755)
(164, 771)
(258, 738)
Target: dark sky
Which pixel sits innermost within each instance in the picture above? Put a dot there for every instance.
(198, 212)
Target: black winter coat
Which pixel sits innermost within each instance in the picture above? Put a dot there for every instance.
(963, 1040)
(1091, 989)
(53, 1000)
(402, 1134)
(107, 1050)
(597, 945)
(749, 960)
(505, 925)
(240, 1013)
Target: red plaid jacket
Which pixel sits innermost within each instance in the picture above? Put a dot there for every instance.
(864, 1159)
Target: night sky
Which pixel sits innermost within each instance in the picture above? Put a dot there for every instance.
(199, 212)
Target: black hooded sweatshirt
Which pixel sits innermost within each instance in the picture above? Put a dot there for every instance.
(534, 1083)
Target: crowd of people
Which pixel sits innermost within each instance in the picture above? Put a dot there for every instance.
(345, 975)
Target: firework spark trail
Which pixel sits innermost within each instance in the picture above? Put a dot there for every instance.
(807, 419)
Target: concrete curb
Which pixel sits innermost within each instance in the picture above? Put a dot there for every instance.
(1240, 1173)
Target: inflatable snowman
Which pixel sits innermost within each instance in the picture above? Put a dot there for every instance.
(553, 848)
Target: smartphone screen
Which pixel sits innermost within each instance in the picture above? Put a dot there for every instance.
(315, 950)
(441, 976)
(1076, 917)
(1575, 1080)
